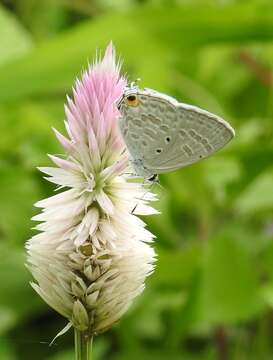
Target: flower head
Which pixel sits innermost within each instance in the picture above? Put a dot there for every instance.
(92, 255)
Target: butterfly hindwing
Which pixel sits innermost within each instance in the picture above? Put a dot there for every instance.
(194, 135)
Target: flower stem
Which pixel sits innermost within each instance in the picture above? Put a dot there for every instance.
(83, 345)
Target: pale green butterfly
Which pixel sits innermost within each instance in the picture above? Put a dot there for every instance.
(162, 134)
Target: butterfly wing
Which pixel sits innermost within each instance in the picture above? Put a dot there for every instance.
(143, 129)
(190, 136)
(163, 135)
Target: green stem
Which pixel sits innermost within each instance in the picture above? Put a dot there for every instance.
(83, 345)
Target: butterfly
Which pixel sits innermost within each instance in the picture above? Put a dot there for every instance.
(163, 134)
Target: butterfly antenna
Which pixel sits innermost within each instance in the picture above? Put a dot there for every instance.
(135, 82)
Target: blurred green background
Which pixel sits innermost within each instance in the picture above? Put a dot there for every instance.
(211, 295)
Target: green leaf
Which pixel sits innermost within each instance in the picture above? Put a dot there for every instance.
(43, 18)
(14, 280)
(258, 196)
(100, 347)
(229, 290)
(7, 350)
(53, 65)
(249, 133)
(220, 171)
(148, 353)
(18, 191)
(149, 322)
(267, 293)
(8, 319)
(176, 267)
(28, 135)
(15, 41)
(63, 355)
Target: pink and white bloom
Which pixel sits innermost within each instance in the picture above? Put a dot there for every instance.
(92, 255)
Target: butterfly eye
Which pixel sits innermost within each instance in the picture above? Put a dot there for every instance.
(132, 100)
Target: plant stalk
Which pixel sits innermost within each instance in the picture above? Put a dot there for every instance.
(83, 345)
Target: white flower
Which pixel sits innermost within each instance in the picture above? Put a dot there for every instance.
(92, 255)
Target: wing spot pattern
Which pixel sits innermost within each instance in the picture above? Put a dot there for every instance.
(153, 104)
(161, 108)
(134, 136)
(208, 148)
(171, 109)
(138, 122)
(153, 119)
(149, 133)
(125, 131)
(164, 128)
(194, 135)
(182, 133)
(206, 145)
(187, 149)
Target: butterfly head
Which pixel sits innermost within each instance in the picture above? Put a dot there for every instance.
(130, 98)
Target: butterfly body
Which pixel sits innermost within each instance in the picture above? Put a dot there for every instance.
(162, 134)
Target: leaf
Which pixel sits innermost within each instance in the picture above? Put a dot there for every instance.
(148, 353)
(18, 192)
(100, 348)
(220, 171)
(176, 268)
(7, 350)
(229, 290)
(27, 132)
(249, 133)
(267, 293)
(43, 18)
(15, 41)
(63, 355)
(258, 196)
(8, 319)
(267, 267)
(149, 323)
(14, 280)
(40, 71)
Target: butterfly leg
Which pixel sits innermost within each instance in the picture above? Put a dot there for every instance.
(151, 182)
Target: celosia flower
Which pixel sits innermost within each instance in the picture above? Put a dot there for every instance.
(92, 255)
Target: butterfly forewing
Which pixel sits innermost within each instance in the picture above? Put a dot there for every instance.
(143, 127)
(162, 134)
